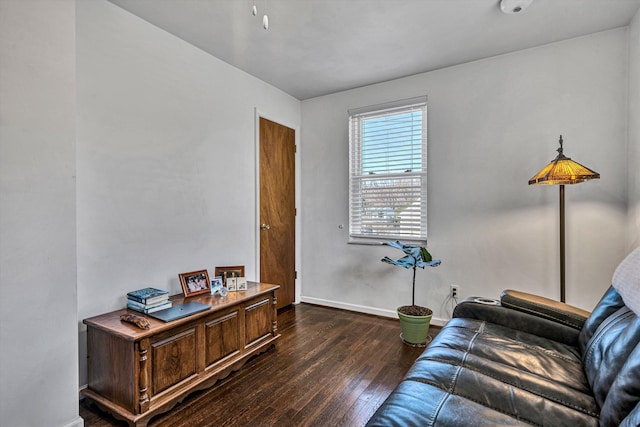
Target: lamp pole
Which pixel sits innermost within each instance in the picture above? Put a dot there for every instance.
(562, 275)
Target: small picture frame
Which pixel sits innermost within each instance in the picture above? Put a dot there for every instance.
(232, 284)
(195, 283)
(227, 272)
(217, 282)
(218, 288)
(241, 284)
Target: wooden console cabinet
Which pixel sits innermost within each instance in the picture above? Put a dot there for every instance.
(138, 373)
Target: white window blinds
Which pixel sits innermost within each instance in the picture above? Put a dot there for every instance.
(388, 172)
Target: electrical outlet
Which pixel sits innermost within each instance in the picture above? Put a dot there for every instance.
(454, 291)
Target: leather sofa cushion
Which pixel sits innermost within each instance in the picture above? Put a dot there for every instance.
(518, 320)
(610, 302)
(624, 395)
(488, 347)
(633, 419)
(609, 349)
(487, 374)
(416, 404)
(609, 343)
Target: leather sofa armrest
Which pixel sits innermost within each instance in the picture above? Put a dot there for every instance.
(492, 311)
(544, 307)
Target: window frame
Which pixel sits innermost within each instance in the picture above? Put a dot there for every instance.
(356, 176)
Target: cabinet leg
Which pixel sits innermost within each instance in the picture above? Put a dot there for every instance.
(274, 323)
(143, 380)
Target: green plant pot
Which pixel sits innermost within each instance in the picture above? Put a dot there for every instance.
(415, 329)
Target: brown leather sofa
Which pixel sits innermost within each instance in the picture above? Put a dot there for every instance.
(527, 360)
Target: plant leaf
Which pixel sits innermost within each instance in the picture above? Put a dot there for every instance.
(416, 256)
(426, 256)
(406, 262)
(432, 263)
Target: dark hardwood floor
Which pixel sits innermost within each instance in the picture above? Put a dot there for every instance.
(330, 368)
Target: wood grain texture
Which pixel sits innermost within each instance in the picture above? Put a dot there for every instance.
(173, 359)
(277, 208)
(222, 337)
(258, 321)
(112, 372)
(330, 368)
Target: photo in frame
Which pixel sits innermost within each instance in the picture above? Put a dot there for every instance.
(218, 288)
(227, 272)
(195, 283)
(241, 284)
(232, 284)
(217, 282)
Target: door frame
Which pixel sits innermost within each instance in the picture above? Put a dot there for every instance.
(258, 114)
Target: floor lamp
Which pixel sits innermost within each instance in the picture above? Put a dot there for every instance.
(562, 170)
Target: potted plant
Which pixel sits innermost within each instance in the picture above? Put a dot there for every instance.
(414, 319)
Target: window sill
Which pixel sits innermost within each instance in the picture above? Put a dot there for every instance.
(381, 241)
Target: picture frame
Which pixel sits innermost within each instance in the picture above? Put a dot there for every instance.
(241, 284)
(195, 283)
(233, 271)
(217, 282)
(218, 288)
(231, 284)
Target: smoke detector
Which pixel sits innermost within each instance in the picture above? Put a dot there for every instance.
(514, 6)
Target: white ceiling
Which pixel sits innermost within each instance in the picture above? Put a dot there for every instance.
(317, 47)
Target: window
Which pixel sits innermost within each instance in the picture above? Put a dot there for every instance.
(388, 172)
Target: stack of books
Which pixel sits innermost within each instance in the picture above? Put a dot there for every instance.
(148, 300)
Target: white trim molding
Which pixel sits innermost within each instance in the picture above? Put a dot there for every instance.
(78, 422)
(362, 309)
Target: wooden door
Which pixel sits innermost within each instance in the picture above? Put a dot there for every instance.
(277, 209)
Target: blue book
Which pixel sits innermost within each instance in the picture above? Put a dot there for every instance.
(142, 306)
(164, 306)
(148, 295)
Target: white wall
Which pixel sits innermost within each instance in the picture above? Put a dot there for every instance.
(634, 133)
(492, 125)
(166, 159)
(38, 299)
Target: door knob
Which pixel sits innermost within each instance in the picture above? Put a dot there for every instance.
(265, 227)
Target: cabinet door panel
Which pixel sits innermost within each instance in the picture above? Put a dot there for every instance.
(222, 337)
(173, 359)
(258, 321)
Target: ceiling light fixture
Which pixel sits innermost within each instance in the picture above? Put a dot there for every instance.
(514, 6)
(265, 18)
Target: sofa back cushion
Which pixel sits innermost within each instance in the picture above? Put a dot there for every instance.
(622, 402)
(609, 343)
(610, 302)
(609, 349)
(624, 291)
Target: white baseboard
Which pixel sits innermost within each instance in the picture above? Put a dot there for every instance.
(78, 422)
(363, 309)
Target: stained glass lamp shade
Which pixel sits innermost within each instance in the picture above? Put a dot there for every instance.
(563, 170)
